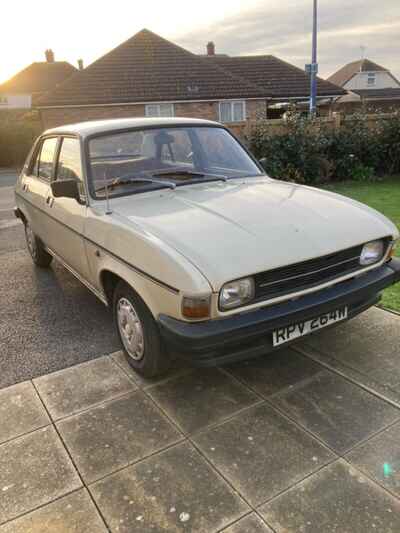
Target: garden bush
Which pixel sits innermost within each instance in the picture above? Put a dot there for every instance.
(18, 130)
(313, 151)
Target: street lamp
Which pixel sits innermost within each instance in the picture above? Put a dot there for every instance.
(313, 68)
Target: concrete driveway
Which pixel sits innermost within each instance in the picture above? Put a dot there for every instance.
(304, 440)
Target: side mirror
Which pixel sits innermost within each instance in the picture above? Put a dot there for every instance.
(263, 162)
(65, 189)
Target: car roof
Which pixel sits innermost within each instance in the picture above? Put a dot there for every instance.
(93, 127)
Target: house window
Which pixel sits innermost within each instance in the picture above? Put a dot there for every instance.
(160, 110)
(234, 111)
(3, 100)
(371, 79)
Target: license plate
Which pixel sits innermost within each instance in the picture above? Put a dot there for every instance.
(289, 333)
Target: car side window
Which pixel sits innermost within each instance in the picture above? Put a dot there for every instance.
(69, 161)
(69, 165)
(46, 158)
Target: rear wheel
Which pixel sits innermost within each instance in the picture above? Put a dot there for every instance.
(35, 247)
(138, 332)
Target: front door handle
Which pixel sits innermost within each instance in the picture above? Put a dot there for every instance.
(50, 201)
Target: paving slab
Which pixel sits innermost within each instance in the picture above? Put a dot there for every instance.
(75, 513)
(275, 372)
(379, 458)
(201, 398)
(82, 386)
(338, 412)
(115, 434)
(366, 343)
(336, 499)
(262, 453)
(34, 470)
(171, 491)
(178, 367)
(251, 523)
(21, 411)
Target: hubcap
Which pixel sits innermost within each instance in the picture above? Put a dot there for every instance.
(130, 329)
(30, 240)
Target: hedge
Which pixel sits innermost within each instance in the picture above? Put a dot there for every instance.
(18, 130)
(312, 151)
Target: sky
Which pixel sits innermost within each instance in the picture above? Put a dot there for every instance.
(88, 29)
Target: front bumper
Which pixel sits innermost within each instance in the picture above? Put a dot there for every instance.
(249, 334)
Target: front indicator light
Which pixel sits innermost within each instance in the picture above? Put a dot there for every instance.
(392, 251)
(372, 252)
(196, 307)
(236, 293)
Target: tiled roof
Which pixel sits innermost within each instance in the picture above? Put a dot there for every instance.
(278, 78)
(38, 77)
(149, 68)
(378, 94)
(344, 74)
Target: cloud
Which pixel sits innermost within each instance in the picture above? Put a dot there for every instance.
(284, 29)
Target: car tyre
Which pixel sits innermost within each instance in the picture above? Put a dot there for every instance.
(138, 332)
(36, 249)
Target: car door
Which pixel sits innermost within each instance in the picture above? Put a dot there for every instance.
(35, 185)
(66, 220)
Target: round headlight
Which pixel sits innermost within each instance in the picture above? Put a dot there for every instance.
(236, 293)
(371, 253)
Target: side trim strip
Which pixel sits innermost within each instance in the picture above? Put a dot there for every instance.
(78, 276)
(133, 267)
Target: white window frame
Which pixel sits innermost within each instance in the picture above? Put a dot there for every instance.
(232, 102)
(371, 76)
(158, 107)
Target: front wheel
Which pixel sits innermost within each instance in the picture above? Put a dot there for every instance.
(36, 249)
(138, 332)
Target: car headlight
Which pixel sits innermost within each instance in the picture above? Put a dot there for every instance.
(372, 252)
(236, 293)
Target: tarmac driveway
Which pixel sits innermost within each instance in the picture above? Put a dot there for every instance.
(48, 320)
(303, 440)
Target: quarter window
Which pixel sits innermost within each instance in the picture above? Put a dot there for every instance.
(233, 111)
(46, 159)
(160, 110)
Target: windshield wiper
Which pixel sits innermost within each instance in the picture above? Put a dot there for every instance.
(194, 174)
(127, 181)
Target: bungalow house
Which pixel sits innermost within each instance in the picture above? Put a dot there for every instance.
(368, 85)
(23, 89)
(150, 76)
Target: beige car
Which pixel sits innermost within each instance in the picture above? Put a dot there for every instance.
(175, 226)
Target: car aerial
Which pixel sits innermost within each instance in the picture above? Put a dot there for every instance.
(175, 226)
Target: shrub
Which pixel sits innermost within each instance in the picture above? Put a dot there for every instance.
(311, 150)
(17, 133)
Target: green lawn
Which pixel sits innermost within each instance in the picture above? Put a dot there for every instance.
(385, 197)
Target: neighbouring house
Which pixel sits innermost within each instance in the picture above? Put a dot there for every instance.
(150, 76)
(369, 85)
(23, 89)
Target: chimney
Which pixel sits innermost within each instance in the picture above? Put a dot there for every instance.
(80, 64)
(49, 55)
(210, 49)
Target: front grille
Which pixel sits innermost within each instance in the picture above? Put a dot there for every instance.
(308, 274)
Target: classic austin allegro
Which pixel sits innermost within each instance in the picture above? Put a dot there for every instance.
(175, 226)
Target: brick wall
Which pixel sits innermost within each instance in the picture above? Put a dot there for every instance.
(51, 118)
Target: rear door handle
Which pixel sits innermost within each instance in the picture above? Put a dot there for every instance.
(50, 201)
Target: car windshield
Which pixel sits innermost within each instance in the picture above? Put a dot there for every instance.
(142, 160)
